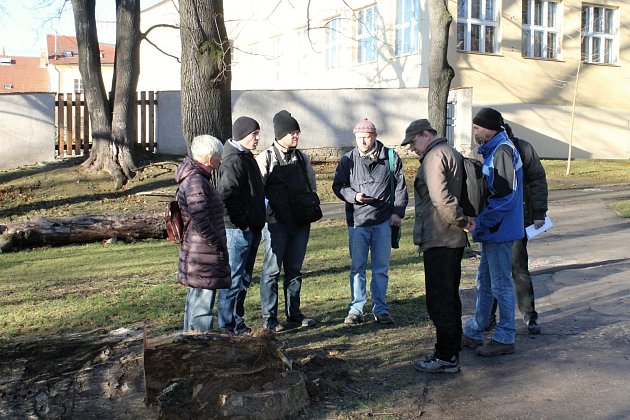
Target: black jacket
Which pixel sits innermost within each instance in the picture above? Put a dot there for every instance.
(241, 187)
(535, 190)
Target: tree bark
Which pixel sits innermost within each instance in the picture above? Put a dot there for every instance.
(112, 137)
(74, 377)
(205, 71)
(440, 72)
(79, 229)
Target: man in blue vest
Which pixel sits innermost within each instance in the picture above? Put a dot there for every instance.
(499, 224)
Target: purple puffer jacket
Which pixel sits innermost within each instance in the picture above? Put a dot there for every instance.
(203, 257)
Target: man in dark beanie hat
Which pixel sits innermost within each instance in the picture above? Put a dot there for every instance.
(287, 173)
(497, 226)
(243, 193)
(283, 124)
(243, 126)
(535, 199)
(488, 118)
(370, 180)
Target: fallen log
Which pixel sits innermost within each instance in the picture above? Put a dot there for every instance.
(42, 231)
(211, 375)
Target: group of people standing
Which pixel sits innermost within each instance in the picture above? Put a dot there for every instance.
(252, 204)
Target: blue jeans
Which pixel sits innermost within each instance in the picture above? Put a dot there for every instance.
(198, 309)
(494, 281)
(376, 240)
(242, 248)
(284, 247)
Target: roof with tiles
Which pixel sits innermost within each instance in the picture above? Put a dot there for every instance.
(64, 50)
(22, 74)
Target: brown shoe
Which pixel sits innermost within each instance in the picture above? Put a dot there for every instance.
(494, 348)
(471, 343)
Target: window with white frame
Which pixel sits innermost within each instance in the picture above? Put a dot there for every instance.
(367, 32)
(276, 56)
(477, 26)
(78, 86)
(407, 17)
(333, 47)
(600, 34)
(541, 29)
(306, 44)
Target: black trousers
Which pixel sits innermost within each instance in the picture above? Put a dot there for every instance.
(522, 282)
(442, 275)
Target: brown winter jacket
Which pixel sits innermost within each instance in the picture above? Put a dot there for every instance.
(203, 257)
(437, 190)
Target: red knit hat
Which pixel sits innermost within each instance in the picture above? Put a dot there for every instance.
(365, 126)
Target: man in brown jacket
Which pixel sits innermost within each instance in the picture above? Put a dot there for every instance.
(440, 233)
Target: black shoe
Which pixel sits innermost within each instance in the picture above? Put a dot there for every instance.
(533, 326)
(243, 330)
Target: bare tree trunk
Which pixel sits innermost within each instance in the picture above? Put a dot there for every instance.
(205, 71)
(41, 231)
(440, 72)
(112, 140)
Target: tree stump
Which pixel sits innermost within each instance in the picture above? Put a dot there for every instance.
(41, 231)
(213, 375)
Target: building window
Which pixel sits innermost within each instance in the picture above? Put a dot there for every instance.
(8, 86)
(78, 86)
(477, 26)
(276, 53)
(407, 17)
(305, 46)
(367, 32)
(333, 49)
(541, 29)
(600, 34)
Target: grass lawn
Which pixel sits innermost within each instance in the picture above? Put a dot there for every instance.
(366, 369)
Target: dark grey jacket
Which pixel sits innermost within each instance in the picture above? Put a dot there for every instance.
(203, 257)
(356, 174)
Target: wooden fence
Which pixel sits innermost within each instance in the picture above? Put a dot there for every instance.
(72, 122)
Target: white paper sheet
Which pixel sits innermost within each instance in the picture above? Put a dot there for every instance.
(533, 232)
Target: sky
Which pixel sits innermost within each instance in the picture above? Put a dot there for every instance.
(25, 23)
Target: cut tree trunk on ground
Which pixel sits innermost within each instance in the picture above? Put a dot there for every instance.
(214, 375)
(95, 376)
(79, 229)
(102, 376)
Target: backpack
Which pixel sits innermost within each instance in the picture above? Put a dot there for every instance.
(175, 226)
(474, 189)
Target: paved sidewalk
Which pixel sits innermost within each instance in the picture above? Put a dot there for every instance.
(579, 367)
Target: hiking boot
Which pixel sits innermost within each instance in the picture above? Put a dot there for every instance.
(494, 348)
(353, 319)
(384, 319)
(492, 322)
(434, 365)
(533, 326)
(471, 343)
(301, 320)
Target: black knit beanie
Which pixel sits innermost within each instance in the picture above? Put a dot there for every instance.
(283, 124)
(488, 118)
(244, 126)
